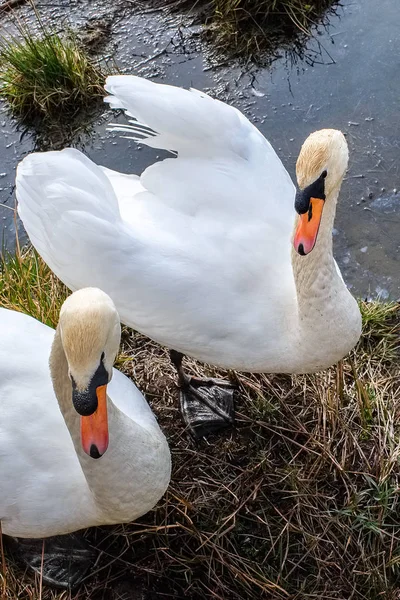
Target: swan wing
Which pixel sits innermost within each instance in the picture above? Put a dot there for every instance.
(224, 163)
(213, 223)
(71, 214)
(60, 194)
(188, 122)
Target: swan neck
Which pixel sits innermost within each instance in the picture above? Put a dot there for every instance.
(62, 386)
(117, 482)
(329, 320)
(315, 274)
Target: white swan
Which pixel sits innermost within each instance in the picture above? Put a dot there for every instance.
(196, 252)
(49, 484)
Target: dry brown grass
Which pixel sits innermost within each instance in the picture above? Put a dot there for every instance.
(299, 501)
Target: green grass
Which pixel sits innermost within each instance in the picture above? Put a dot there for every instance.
(299, 502)
(47, 77)
(28, 285)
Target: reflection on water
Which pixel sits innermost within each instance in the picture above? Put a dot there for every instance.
(353, 86)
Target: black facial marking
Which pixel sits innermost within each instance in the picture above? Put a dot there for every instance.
(300, 250)
(85, 403)
(314, 190)
(94, 451)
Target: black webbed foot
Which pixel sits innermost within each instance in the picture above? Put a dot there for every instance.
(207, 405)
(65, 562)
(207, 408)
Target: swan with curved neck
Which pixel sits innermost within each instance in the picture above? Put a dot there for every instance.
(196, 251)
(328, 319)
(88, 452)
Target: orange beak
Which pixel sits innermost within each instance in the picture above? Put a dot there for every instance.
(308, 227)
(94, 428)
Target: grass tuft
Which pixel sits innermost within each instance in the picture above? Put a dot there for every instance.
(259, 30)
(29, 286)
(300, 501)
(49, 77)
(250, 28)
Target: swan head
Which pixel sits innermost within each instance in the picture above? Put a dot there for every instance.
(90, 333)
(320, 169)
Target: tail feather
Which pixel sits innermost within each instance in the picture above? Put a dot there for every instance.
(67, 177)
(61, 195)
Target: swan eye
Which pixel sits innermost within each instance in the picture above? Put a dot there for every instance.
(100, 376)
(315, 190)
(86, 401)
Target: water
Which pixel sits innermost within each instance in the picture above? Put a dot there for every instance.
(355, 88)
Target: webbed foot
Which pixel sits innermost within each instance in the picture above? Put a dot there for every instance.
(63, 561)
(207, 405)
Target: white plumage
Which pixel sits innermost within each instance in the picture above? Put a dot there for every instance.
(196, 252)
(49, 486)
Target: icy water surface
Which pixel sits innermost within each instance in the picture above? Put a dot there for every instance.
(354, 87)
